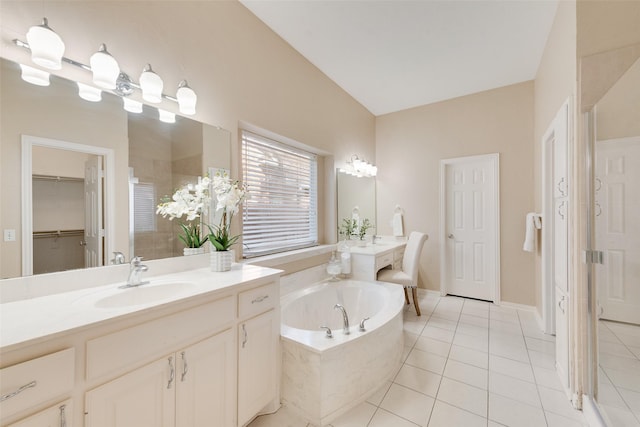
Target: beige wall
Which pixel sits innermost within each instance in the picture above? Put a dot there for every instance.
(555, 82)
(618, 112)
(240, 69)
(409, 147)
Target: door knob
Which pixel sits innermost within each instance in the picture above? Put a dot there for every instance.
(450, 236)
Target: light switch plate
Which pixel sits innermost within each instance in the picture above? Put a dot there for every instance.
(9, 235)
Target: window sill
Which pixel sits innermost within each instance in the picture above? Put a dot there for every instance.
(275, 260)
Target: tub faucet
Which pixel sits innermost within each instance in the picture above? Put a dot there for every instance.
(345, 318)
(134, 273)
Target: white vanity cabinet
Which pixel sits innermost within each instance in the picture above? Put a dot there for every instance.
(258, 339)
(367, 261)
(189, 388)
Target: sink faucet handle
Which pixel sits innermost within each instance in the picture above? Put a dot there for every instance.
(136, 260)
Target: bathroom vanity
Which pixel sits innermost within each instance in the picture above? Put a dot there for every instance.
(192, 348)
(368, 260)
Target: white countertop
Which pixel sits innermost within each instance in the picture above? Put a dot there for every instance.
(30, 320)
(378, 247)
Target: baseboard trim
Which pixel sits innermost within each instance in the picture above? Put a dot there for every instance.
(518, 306)
(591, 413)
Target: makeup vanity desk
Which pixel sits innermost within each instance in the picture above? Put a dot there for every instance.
(366, 261)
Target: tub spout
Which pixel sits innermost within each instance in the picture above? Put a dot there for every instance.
(345, 318)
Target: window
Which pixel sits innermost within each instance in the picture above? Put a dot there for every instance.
(281, 210)
(144, 207)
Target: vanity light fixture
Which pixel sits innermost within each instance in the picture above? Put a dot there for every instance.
(105, 68)
(166, 116)
(89, 93)
(34, 75)
(46, 46)
(187, 98)
(151, 85)
(47, 50)
(359, 168)
(132, 106)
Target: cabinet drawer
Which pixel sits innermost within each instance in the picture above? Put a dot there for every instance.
(58, 415)
(36, 381)
(117, 352)
(384, 260)
(258, 300)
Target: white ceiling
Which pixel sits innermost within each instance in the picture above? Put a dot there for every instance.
(396, 54)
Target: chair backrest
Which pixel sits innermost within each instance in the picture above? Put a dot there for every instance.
(411, 257)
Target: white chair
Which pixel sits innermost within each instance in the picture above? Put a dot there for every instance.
(408, 276)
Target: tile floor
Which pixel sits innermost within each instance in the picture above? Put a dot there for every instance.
(619, 373)
(466, 363)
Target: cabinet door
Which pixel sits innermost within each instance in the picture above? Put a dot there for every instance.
(562, 340)
(257, 368)
(56, 416)
(142, 398)
(205, 379)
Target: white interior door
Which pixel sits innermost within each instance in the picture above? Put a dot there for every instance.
(617, 227)
(93, 231)
(470, 199)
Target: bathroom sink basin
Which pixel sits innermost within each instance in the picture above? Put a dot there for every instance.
(145, 294)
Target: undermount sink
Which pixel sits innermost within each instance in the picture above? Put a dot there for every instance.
(144, 294)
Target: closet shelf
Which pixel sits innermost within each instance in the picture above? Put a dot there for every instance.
(57, 233)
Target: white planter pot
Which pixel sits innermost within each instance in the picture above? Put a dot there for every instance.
(193, 251)
(221, 260)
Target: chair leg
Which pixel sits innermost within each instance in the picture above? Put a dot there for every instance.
(414, 291)
(406, 296)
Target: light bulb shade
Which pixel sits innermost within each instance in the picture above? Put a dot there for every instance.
(132, 106)
(166, 116)
(34, 75)
(105, 68)
(151, 85)
(187, 98)
(89, 93)
(46, 46)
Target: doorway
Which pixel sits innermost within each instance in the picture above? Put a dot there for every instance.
(97, 189)
(470, 227)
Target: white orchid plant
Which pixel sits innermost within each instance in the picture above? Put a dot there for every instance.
(188, 202)
(229, 194)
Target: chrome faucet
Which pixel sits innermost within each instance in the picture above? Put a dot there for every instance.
(345, 318)
(118, 258)
(134, 273)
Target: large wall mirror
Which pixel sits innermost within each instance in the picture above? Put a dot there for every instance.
(143, 160)
(359, 194)
(615, 149)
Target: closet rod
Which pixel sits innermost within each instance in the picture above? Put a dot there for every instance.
(57, 178)
(57, 233)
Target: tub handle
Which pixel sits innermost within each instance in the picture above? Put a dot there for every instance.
(329, 333)
(361, 328)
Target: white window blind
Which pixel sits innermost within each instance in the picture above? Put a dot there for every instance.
(144, 207)
(281, 210)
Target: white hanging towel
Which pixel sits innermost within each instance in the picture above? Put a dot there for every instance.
(532, 223)
(396, 224)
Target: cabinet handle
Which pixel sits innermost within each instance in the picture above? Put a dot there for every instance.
(598, 209)
(560, 209)
(598, 184)
(560, 304)
(260, 299)
(172, 372)
(562, 191)
(18, 391)
(185, 367)
(63, 417)
(244, 332)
